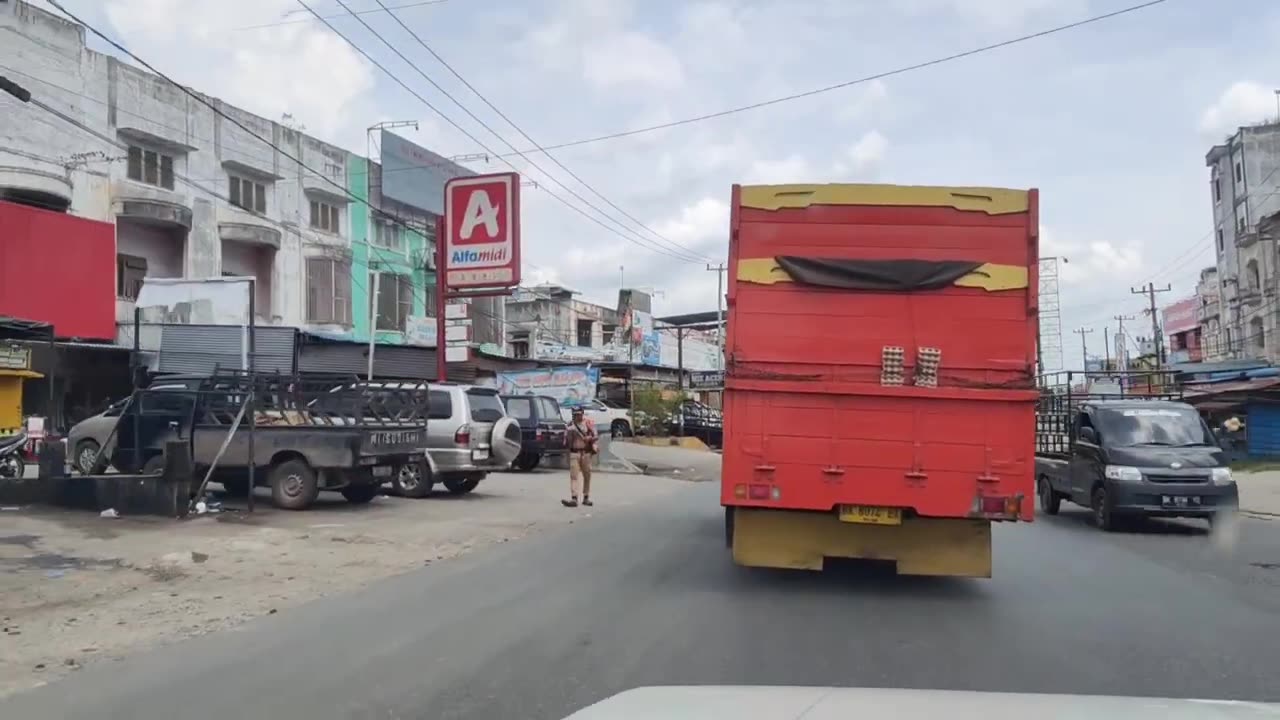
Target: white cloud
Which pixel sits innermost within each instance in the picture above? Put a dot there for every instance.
(298, 68)
(865, 157)
(790, 169)
(1089, 263)
(630, 61)
(1243, 103)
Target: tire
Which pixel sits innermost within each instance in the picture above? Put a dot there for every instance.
(85, 464)
(294, 485)
(360, 494)
(620, 428)
(526, 462)
(505, 441)
(413, 480)
(1102, 515)
(728, 527)
(461, 486)
(153, 466)
(1050, 501)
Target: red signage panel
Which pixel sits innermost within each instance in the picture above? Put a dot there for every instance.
(1181, 316)
(482, 231)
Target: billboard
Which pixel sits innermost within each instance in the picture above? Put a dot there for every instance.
(208, 301)
(1180, 316)
(570, 386)
(415, 176)
(482, 231)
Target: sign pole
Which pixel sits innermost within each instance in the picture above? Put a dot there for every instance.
(442, 368)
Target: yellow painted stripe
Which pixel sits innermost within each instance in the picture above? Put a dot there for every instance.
(991, 277)
(992, 201)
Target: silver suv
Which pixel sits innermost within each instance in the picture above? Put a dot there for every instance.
(469, 435)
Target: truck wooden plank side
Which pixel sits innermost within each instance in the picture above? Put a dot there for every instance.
(880, 374)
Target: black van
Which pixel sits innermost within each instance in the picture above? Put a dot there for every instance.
(1136, 458)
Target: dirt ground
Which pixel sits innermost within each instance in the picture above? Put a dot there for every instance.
(76, 588)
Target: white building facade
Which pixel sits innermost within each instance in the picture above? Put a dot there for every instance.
(191, 193)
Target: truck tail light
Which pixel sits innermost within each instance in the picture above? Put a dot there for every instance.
(1000, 505)
(463, 435)
(740, 491)
(758, 492)
(538, 435)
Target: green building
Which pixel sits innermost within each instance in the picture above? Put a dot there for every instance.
(398, 244)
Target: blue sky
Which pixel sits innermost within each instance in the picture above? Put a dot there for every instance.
(1110, 121)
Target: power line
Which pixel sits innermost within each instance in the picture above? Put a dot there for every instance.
(648, 245)
(851, 83)
(420, 3)
(676, 246)
(638, 239)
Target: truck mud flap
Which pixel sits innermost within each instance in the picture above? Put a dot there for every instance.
(920, 546)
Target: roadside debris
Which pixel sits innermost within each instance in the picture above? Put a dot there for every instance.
(109, 513)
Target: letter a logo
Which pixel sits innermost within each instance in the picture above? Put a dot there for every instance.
(480, 211)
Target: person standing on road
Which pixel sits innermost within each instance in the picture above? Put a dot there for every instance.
(582, 441)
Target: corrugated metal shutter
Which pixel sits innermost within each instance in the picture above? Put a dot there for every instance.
(200, 349)
(1263, 429)
(389, 361)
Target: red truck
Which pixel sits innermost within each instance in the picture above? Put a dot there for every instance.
(880, 374)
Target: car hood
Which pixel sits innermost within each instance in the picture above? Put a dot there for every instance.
(819, 703)
(1153, 456)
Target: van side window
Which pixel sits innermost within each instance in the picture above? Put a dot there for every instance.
(1084, 421)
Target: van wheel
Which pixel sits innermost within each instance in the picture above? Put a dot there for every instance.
(294, 485)
(360, 494)
(1102, 515)
(461, 486)
(1050, 501)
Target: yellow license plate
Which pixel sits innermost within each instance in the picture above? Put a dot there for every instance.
(870, 515)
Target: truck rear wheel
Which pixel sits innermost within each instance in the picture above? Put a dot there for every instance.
(728, 527)
(1050, 501)
(294, 485)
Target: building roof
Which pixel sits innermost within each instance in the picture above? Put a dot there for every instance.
(694, 320)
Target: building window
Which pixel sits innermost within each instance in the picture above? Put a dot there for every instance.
(328, 291)
(1257, 334)
(1251, 275)
(248, 194)
(584, 333)
(395, 300)
(325, 217)
(1221, 242)
(1217, 190)
(150, 167)
(386, 234)
(1241, 225)
(1239, 172)
(130, 271)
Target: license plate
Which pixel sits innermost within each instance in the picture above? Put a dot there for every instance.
(870, 515)
(480, 454)
(1180, 500)
(382, 471)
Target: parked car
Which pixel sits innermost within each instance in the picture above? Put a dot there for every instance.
(87, 437)
(700, 420)
(542, 427)
(605, 416)
(469, 435)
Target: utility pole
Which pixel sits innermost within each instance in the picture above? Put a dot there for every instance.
(1106, 349)
(1121, 350)
(1150, 291)
(719, 271)
(1084, 347)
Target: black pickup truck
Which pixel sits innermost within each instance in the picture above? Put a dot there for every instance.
(542, 428)
(310, 433)
(1129, 457)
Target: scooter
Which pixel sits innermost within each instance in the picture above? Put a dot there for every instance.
(11, 463)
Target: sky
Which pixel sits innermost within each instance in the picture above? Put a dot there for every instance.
(1111, 121)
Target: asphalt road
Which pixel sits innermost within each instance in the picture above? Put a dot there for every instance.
(542, 627)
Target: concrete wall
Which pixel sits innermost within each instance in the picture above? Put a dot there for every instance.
(41, 152)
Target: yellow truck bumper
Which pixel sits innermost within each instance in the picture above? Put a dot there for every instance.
(801, 540)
